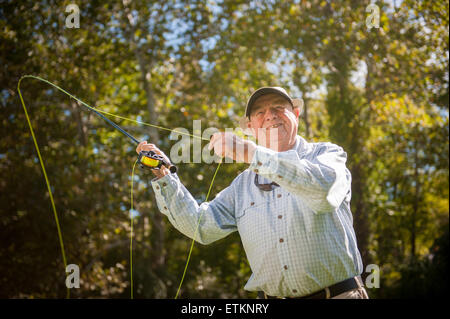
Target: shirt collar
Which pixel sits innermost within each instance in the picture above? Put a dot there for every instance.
(297, 143)
(301, 145)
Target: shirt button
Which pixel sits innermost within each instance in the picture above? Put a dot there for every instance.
(157, 187)
(256, 170)
(279, 176)
(165, 207)
(252, 203)
(280, 216)
(259, 163)
(285, 267)
(279, 195)
(281, 240)
(164, 184)
(294, 291)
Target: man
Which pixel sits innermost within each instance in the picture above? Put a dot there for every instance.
(291, 207)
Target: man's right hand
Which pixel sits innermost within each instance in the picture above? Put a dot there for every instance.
(144, 146)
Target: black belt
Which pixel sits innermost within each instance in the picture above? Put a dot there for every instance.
(326, 293)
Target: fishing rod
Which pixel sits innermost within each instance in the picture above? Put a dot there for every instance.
(146, 159)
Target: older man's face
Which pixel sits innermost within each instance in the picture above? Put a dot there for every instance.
(274, 122)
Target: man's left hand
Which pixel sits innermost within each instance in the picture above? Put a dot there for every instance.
(227, 144)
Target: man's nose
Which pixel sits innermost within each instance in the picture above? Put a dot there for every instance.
(270, 114)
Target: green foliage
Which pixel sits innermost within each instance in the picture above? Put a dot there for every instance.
(382, 94)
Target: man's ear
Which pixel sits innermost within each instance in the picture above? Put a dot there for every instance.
(297, 107)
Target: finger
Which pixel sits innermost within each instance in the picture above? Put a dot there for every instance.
(218, 147)
(156, 150)
(215, 142)
(149, 147)
(212, 141)
(211, 144)
(216, 136)
(139, 147)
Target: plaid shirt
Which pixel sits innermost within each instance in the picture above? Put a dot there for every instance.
(298, 238)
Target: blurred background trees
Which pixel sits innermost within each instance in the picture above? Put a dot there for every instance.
(381, 93)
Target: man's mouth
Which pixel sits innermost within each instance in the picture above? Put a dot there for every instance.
(274, 126)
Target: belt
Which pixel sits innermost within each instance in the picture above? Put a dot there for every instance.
(326, 293)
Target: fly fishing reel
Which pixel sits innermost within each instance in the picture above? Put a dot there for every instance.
(151, 160)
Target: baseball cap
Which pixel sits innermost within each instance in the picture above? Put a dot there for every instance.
(268, 90)
(263, 91)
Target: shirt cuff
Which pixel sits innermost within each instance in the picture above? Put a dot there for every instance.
(164, 188)
(261, 163)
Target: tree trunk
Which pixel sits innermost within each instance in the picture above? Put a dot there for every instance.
(157, 221)
(308, 133)
(361, 223)
(145, 66)
(153, 132)
(415, 203)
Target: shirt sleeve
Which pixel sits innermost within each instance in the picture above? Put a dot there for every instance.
(321, 179)
(204, 223)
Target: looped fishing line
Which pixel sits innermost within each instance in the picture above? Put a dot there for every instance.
(61, 242)
(131, 231)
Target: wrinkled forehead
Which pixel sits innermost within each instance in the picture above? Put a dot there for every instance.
(269, 100)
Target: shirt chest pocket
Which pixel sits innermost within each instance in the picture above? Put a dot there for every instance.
(258, 216)
(263, 205)
(257, 225)
(252, 208)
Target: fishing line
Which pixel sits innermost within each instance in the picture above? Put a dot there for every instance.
(131, 231)
(97, 111)
(61, 243)
(196, 230)
(150, 159)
